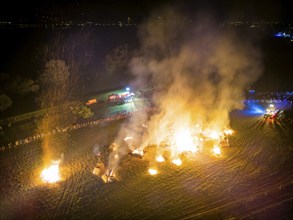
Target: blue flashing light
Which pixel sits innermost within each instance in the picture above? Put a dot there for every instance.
(127, 89)
(254, 109)
(257, 111)
(282, 34)
(279, 34)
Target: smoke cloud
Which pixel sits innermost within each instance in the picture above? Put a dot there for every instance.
(199, 73)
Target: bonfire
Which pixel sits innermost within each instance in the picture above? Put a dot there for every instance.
(177, 143)
(51, 173)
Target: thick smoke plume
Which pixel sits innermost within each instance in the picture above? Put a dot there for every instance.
(199, 73)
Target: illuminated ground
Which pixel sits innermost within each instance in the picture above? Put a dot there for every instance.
(253, 179)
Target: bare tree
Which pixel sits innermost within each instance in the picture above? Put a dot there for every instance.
(117, 61)
(74, 51)
(63, 58)
(55, 84)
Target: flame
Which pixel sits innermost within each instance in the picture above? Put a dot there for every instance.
(214, 135)
(114, 147)
(217, 150)
(184, 141)
(160, 159)
(152, 171)
(177, 141)
(177, 161)
(138, 151)
(128, 138)
(228, 132)
(51, 174)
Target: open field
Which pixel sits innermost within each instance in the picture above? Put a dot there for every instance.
(252, 179)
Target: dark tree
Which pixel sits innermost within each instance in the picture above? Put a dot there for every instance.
(5, 102)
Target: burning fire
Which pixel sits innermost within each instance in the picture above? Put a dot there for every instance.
(217, 150)
(214, 135)
(138, 152)
(228, 132)
(177, 161)
(113, 147)
(128, 138)
(184, 142)
(181, 140)
(51, 173)
(152, 171)
(160, 159)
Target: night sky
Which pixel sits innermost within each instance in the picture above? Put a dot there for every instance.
(278, 60)
(269, 10)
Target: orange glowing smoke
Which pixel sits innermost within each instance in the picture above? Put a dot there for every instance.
(51, 173)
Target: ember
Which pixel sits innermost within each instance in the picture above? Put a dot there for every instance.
(160, 159)
(228, 132)
(153, 171)
(177, 161)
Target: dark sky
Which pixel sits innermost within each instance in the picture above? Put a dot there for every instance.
(109, 9)
(115, 10)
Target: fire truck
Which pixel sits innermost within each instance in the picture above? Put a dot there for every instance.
(272, 112)
(115, 99)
